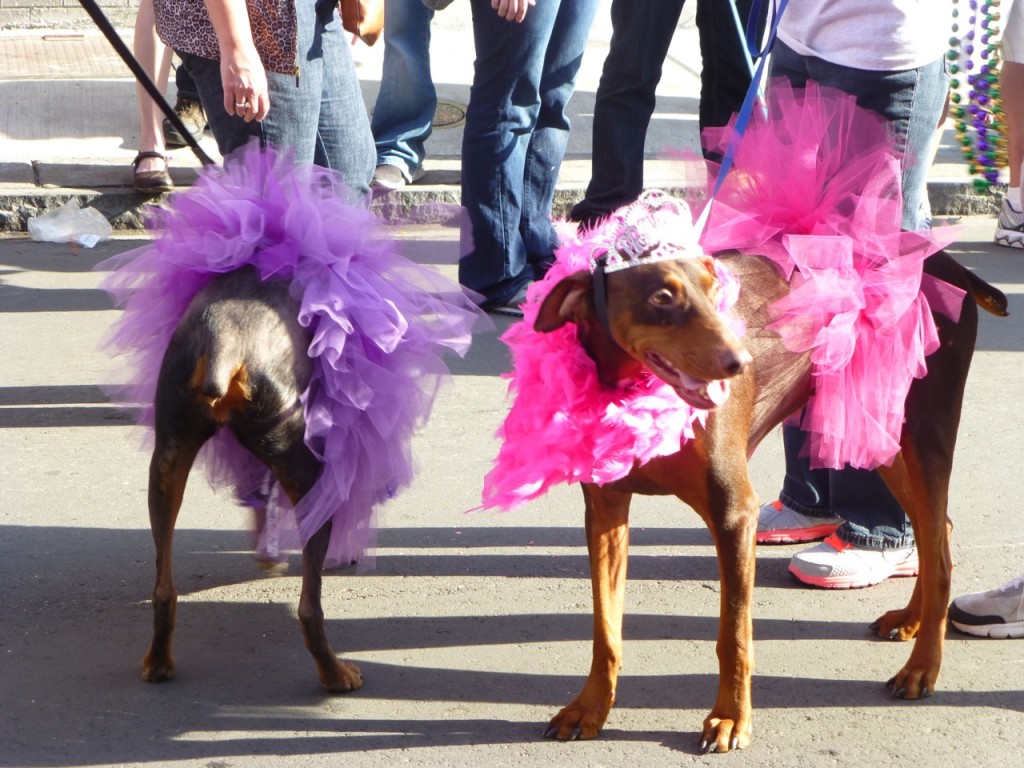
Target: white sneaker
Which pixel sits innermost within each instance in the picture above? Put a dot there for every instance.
(778, 524)
(996, 613)
(1010, 226)
(834, 564)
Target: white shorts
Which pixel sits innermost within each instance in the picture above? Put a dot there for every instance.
(1013, 33)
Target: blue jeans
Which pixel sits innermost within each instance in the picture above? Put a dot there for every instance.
(642, 32)
(319, 115)
(912, 101)
(514, 139)
(404, 112)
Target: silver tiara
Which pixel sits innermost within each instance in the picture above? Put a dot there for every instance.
(644, 232)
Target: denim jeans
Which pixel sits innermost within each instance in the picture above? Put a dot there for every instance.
(320, 114)
(404, 112)
(514, 139)
(912, 101)
(642, 31)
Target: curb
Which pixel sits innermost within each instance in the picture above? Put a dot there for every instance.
(126, 209)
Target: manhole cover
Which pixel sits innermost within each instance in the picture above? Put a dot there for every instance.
(448, 113)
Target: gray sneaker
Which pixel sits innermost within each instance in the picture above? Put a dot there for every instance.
(387, 177)
(1010, 226)
(996, 613)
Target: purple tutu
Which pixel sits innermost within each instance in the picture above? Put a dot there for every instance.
(379, 326)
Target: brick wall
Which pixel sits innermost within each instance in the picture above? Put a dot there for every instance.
(63, 14)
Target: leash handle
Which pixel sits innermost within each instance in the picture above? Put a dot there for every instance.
(143, 77)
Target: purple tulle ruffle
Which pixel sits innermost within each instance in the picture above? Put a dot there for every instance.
(380, 326)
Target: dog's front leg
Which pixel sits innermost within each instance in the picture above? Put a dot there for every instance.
(607, 528)
(732, 519)
(336, 676)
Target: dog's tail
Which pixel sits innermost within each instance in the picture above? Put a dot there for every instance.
(986, 296)
(221, 382)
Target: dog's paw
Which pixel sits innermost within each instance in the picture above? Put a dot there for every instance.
(342, 678)
(914, 681)
(157, 671)
(723, 735)
(897, 625)
(582, 719)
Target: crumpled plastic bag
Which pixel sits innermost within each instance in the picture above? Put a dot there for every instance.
(70, 224)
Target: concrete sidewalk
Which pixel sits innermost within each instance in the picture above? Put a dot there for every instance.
(68, 123)
(473, 629)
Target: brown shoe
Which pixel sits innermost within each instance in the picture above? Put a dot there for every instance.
(190, 112)
(151, 182)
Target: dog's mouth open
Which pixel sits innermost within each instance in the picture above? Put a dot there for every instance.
(703, 395)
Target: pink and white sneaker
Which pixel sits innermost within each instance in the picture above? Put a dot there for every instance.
(778, 524)
(834, 564)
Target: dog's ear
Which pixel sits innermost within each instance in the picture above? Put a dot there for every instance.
(568, 302)
(714, 287)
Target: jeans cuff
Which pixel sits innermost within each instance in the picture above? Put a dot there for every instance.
(796, 506)
(873, 541)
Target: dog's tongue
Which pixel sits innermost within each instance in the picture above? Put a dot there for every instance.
(718, 391)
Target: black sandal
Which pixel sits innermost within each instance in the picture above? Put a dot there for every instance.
(151, 182)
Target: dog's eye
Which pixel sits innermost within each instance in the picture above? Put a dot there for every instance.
(662, 298)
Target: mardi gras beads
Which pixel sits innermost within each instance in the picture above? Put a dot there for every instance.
(977, 109)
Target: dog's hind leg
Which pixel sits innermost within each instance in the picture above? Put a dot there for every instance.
(919, 479)
(607, 530)
(172, 459)
(296, 468)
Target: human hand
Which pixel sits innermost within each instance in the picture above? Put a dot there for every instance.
(512, 10)
(244, 81)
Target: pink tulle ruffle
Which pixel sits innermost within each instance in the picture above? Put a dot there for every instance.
(380, 326)
(816, 188)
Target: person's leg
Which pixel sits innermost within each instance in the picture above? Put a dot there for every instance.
(912, 102)
(344, 139)
(155, 58)
(331, 131)
(504, 102)
(1010, 225)
(404, 112)
(188, 109)
(551, 135)
(642, 31)
(725, 75)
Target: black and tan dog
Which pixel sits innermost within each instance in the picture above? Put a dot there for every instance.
(661, 315)
(237, 360)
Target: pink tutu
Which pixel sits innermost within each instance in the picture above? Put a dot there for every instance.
(816, 188)
(380, 326)
(564, 425)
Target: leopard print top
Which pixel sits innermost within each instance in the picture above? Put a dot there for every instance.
(185, 26)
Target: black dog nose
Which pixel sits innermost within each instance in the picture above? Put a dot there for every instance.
(735, 361)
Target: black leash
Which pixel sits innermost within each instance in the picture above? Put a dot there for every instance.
(143, 77)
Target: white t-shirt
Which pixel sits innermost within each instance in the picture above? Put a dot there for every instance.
(875, 35)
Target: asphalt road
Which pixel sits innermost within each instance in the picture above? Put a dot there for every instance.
(474, 628)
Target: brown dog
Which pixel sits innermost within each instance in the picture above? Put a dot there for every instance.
(662, 315)
(237, 359)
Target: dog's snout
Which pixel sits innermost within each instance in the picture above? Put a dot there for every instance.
(735, 361)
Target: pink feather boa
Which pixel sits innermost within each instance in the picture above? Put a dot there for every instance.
(564, 425)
